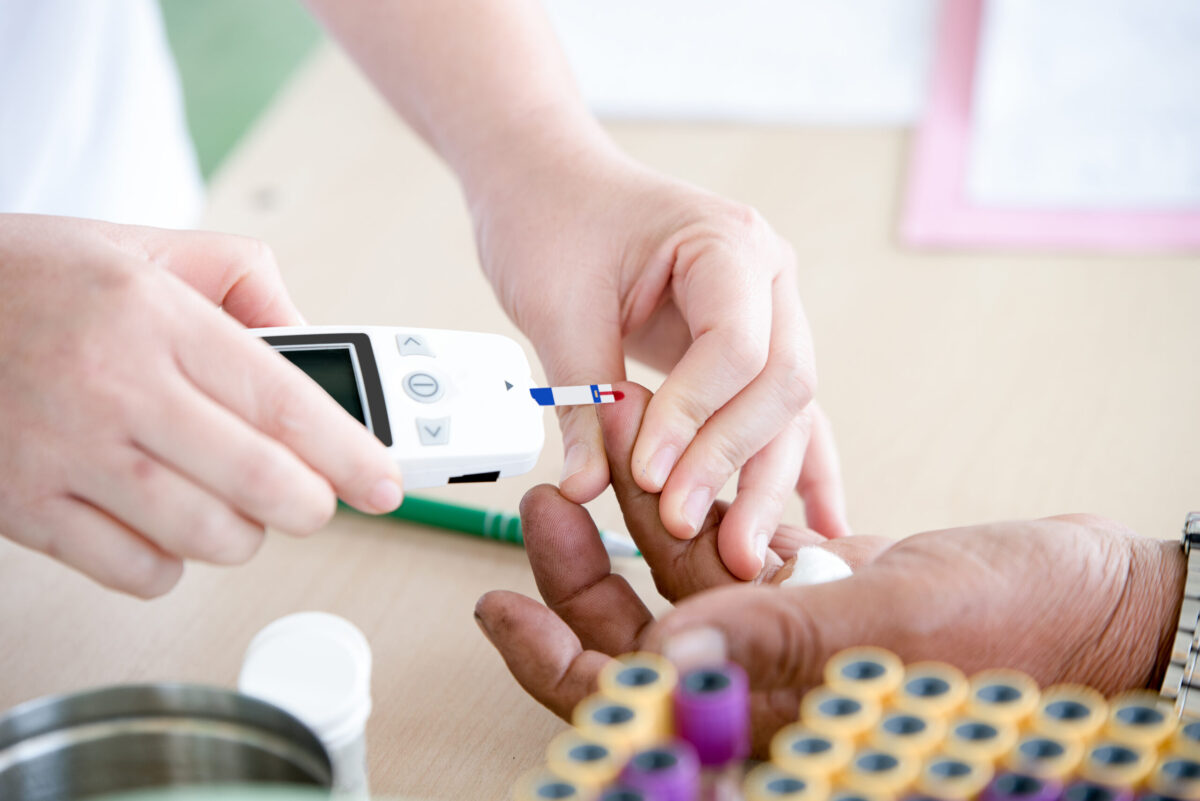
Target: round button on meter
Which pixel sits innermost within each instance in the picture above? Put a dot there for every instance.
(423, 387)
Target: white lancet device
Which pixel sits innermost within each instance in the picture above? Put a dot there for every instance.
(452, 406)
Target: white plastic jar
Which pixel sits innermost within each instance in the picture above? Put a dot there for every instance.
(317, 666)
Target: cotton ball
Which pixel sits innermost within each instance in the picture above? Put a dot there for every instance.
(815, 565)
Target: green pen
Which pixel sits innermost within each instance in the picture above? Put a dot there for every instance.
(490, 524)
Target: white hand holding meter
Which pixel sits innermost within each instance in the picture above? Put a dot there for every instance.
(451, 406)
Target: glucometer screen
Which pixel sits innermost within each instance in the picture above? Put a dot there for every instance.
(333, 369)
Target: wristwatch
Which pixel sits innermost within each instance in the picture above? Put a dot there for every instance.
(1181, 685)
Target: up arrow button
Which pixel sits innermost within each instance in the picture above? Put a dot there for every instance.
(413, 345)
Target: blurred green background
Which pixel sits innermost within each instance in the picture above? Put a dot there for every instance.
(234, 55)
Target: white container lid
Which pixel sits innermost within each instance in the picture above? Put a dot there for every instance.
(317, 666)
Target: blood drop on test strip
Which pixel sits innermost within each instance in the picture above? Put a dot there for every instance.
(576, 396)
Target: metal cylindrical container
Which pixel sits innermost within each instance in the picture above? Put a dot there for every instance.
(128, 737)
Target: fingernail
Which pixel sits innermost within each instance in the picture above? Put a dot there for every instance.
(813, 565)
(696, 507)
(699, 647)
(576, 460)
(761, 540)
(385, 496)
(661, 464)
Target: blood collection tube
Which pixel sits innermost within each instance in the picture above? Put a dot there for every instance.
(1186, 739)
(1090, 791)
(619, 726)
(1021, 787)
(584, 760)
(666, 772)
(621, 792)
(875, 771)
(1178, 776)
(712, 712)
(1046, 757)
(1140, 717)
(646, 681)
(908, 732)
(769, 782)
(952, 778)
(931, 688)
(843, 794)
(541, 784)
(1009, 696)
(1071, 711)
(836, 714)
(978, 738)
(1117, 764)
(800, 750)
(864, 671)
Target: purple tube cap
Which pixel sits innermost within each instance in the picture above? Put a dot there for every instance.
(1090, 791)
(668, 772)
(712, 712)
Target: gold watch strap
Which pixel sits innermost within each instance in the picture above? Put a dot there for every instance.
(1181, 684)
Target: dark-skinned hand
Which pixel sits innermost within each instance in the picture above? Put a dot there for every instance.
(1074, 598)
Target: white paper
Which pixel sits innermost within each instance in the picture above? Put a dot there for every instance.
(774, 61)
(1087, 104)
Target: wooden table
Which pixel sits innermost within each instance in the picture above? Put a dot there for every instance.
(963, 387)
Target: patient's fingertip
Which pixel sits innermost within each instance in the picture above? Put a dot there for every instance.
(586, 484)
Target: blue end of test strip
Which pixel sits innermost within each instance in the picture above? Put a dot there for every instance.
(543, 395)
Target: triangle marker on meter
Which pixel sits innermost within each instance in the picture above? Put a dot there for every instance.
(576, 396)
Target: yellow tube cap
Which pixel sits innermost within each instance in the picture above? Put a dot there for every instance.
(932, 688)
(838, 714)
(864, 671)
(646, 681)
(1009, 696)
(1071, 711)
(769, 782)
(805, 752)
(584, 760)
(953, 778)
(620, 726)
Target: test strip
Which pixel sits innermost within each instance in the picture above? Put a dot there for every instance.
(584, 760)
(865, 670)
(800, 750)
(646, 681)
(769, 782)
(576, 396)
